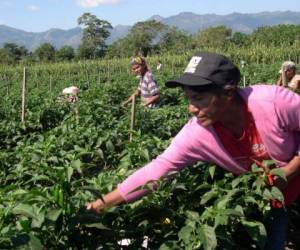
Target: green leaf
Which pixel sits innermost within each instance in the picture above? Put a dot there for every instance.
(100, 153)
(208, 196)
(185, 234)
(222, 202)
(256, 169)
(35, 157)
(145, 154)
(70, 171)
(53, 214)
(97, 225)
(109, 145)
(35, 243)
(169, 246)
(257, 232)
(77, 165)
(277, 194)
(240, 209)
(221, 219)
(236, 182)
(268, 163)
(267, 194)
(24, 209)
(278, 172)
(212, 170)
(192, 215)
(38, 221)
(208, 237)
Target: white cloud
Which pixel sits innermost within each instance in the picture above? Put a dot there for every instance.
(32, 7)
(95, 3)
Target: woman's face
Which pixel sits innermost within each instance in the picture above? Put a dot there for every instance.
(207, 106)
(137, 69)
(290, 73)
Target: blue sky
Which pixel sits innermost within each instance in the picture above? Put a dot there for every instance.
(41, 15)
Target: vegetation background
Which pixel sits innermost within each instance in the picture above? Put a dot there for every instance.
(65, 155)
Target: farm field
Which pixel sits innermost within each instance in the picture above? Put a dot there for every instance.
(65, 155)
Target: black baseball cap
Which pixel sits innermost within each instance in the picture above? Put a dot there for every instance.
(207, 68)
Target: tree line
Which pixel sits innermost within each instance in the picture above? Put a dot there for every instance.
(150, 38)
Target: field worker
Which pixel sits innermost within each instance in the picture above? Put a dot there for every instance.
(147, 89)
(70, 93)
(232, 128)
(288, 76)
(159, 66)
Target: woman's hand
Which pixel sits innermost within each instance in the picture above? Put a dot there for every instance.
(96, 206)
(111, 199)
(279, 182)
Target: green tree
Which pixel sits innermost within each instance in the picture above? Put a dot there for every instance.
(6, 57)
(283, 34)
(65, 53)
(176, 41)
(215, 37)
(45, 53)
(120, 48)
(15, 52)
(95, 32)
(240, 39)
(145, 36)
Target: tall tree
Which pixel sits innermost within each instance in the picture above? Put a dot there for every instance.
(45, 52)
(16, 52)
(95, 32)
(215, 37)
(144, 36)
(65, 53)
(283, 34)
(6, 57)
(176, 41)
(240, 39)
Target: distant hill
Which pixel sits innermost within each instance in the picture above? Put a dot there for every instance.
(187, 21)
(57, 37)
(238, 22)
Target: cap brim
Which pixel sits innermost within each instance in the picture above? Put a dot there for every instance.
(188, 80)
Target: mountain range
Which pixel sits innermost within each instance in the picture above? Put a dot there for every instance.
(186, 21)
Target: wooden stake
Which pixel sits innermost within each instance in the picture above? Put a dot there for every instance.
(283, 77)
(132, 121)
(50, 83)
(23, 95)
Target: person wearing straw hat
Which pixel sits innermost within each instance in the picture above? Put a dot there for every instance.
(232, 127)
(147, 89)
(70, 94)
(288, 76)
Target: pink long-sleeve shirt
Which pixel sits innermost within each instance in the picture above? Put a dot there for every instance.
(276, 112)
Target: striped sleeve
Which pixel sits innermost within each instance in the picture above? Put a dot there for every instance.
(152, 85)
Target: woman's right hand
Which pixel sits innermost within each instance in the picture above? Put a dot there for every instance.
(109, 200)
(96, 206)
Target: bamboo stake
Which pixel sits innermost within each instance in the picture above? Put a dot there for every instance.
(23, 95)
(283, 77)
(50, 83)
(132, 121)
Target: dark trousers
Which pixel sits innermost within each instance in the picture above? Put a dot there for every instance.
(277, 226)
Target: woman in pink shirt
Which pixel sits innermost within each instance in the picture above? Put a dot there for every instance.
(232, 128)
